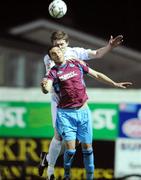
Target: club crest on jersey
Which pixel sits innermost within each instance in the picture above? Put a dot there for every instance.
(59, 72)
(71, 65)
(68, 76)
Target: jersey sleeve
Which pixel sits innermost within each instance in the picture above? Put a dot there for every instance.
(82, 53)
(51, 74)
(48, 63)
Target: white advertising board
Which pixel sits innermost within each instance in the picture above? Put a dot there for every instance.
(127, 157)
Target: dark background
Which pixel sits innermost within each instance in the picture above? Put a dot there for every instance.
(97, 17)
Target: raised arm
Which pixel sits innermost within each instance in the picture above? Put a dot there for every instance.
(105, 79)
(46, 85)
(113, 42)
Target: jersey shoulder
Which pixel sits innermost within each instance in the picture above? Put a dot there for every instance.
(76, 48)
(47, 59)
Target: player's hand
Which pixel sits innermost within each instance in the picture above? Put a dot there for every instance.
(43, 85)
(123, 85)
(71, 60)
(77, 60)
(114, 42)
(82, 62)
(44, 82)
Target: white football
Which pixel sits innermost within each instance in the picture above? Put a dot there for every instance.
(57, 8)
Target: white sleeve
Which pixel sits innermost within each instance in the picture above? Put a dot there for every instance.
(82, 53)
(48, 63)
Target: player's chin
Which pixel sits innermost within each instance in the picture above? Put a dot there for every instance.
(58, 62)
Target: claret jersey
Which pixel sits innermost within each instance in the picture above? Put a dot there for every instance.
(70, 53)
(69, 84)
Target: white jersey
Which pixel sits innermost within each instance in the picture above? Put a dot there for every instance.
(70, 53)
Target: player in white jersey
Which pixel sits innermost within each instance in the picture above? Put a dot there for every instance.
(61, 39)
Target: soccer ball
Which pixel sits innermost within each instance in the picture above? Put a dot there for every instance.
(57, 8)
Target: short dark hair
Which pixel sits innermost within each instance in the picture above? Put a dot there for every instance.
(57, 35)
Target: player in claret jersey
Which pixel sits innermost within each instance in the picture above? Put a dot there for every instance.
(73, 119)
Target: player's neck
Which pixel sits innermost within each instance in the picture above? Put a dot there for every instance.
(61, 63)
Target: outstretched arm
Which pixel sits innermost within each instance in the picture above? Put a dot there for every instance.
(46, 85)
(113, 42)
(105, 79)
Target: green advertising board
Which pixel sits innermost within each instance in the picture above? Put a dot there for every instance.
(33, 119)
(104, 120)
(25, 119)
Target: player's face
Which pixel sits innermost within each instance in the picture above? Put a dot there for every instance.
(57, 55)
(60, 43)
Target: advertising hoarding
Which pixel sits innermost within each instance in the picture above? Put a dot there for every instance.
(33, 119)
(19, 158)
(104, 120)
(127, 157)
(25, 119)
(130, 120)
